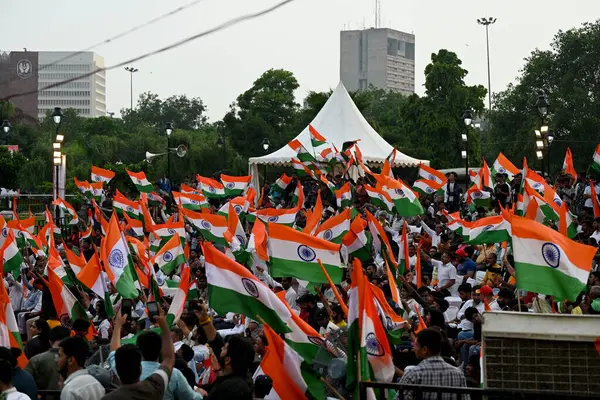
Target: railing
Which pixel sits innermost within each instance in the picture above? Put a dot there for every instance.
(422, 392)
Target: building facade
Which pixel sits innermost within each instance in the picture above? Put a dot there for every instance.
(31, 71)
(384, 58)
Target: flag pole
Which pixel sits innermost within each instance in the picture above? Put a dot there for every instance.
(335, 291)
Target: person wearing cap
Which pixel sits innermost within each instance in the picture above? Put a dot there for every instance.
(466, 268)
(487, 295)
(466, 326)
(453, 192)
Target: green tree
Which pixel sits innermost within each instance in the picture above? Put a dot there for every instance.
(11, 165)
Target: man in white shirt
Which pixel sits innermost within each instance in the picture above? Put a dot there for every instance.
(596, 233)
(587, 193)
(465, 325)
(446, 274)
(290, 294)
(434, 234)
(79, 384)
(7, 391)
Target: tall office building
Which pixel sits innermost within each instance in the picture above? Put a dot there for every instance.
(29, 71)
(382, 57)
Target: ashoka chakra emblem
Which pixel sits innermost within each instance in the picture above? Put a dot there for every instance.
(212, 189)
(129, 209)
(551, 254)
(502, 170)
(237, 209)
(477, 195)
(428, 190)
(230, 185)
(241, 239)
(431, 177)
(167, 257)
(206, 225)
(380, 196)
(273, 219)
(537, 185)
(374, 348)
(399, 192)
(250, 287)
(558, 201)
(116, 259)
(487, 228)
(194, 202)
(171, 231)
(328, 234)
(5, 232)
(306, 253)
(389, 323)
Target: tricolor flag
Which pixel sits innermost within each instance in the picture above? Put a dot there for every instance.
(301, 153)
(76, 262)
(117, 260)
(502, 165)
(65, 303)
(296, 254)
(125, 206)
(281, 183)
(240, 207)
(548, 262)
(212, 227)
(170, 256)
(68, 209)
(301, 168)
(403, 255)
(596, 159)
(134, 225)
(335, 228)
(283, 216)
(426, 187)
(140, 181)
(355, 293)
(343, 196)
(154, 199)
(568, 167)
(428, 173)
(394, 323)
(3, 230)
(405, 200)
(233, 288)
(490, 230)
(379, 235)
(83, 186)
(10, 255)
(211, 188)
(356, 241)
(235, 230)
(91, 276)
(316, 139)
(479, 198)
(165, 231)
(328, 155)
(313, 218)
(101, 175)
(96, 191)
(379, 198)
(190, 201)
(189, 190)
(178, 304)
(9, 330)
(235, 185)
(298, 196)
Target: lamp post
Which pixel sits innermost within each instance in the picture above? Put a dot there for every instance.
(543, 136)
(131, 71)
(169, 131)
(467, 118)
(265, 145)
(57, 155)
(6, 129)
(485, 21)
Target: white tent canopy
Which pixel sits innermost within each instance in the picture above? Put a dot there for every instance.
(339, 121)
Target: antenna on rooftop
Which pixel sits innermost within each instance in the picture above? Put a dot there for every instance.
(377, 13)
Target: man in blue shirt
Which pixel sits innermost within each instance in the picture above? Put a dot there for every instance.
(466, 268)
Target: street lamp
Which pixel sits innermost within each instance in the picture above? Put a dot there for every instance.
(542, 105)
(6, 128)
(57, 155)
(487, 21)
(169, 131)
(467, 117)
(57, 116)
(131, 71)
(265, 145)
(543, 136)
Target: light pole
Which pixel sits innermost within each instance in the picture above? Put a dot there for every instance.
(131, 71)
(57, 155)
(543, 136)
(485, 21)
(265, 144)
(467, 117)
(6, 128)
(169, 131)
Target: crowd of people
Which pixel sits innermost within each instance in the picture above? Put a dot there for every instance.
(127, 352)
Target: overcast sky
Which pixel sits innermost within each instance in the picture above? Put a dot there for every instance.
(302, 37)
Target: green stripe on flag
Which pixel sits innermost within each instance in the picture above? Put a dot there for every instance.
(546, 280)
(306, 271)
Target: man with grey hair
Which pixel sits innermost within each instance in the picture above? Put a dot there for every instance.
(595, 300)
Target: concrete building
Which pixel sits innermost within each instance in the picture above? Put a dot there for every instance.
(384, 58)
(28, 71)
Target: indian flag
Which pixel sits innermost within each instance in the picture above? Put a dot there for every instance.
(343, 196)
(460, 227)
(354, 299)
(9, 330)
(281, 183)
(405, 200)
(190, 201)
(302, 167)
(135, 226)
(10, 255)
(284, 216)
(490, 230)
(83, 186)
(141, 182)
(170, 256)
(335, 228)
(378, 234)
(96, 190)
(169, 229)
(189, 190)
(296, 254)
(327, 155)
(76, 262)
(117, 260)
(235, 231)
(240, 207)
(356, 240)
(154, 199)
(426, 187)
(403, 255)
(301, 153)
(235, 185)
(479, 198)
(212, 227)
(68, 209)
(91, 276)
(502, 165)
(568, 167)
(178, 304)
(548, 262)
(379, 198)
(64, 301)
(316, 139)
(125, 206)
(596, 159)
(298, 196)
(233, 288)
(211, 188)
(101, 175)
(430, 174)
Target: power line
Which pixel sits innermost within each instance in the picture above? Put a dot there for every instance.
(122, 34)
(218, 28)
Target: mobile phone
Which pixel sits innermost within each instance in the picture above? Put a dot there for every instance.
(152, 309)
(126, 305)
